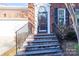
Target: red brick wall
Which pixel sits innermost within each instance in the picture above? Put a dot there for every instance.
(31, 14)
(52, 7)
(58, 5)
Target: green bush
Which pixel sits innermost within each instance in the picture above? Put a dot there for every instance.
(71, 36)
(77, 48)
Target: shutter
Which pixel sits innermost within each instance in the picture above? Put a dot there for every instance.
(56, 15)
(55, 18)
(67, 17)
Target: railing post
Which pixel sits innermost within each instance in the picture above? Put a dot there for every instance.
(16, 42)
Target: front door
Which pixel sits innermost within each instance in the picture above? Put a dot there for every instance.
(42, 22)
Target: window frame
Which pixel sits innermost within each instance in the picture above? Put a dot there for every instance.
(59, 9)
(76, 17)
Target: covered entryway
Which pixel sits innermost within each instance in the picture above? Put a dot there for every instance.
(42, 18)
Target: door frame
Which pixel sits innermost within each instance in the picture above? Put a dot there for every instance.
(45, 30)
(47, 5)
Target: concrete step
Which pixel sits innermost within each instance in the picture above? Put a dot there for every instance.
(58, 54)
(42, 45)
(51, 34)
(49, 54)
(41, 48)
(44, 40)
(39, 52)
(41, 37)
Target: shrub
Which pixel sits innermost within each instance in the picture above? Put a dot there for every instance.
(71, 36)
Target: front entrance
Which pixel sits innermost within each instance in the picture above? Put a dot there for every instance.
(42, 20)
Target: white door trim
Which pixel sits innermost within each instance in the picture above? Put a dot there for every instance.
(48, 9)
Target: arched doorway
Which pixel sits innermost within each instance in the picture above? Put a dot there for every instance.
(42, 20)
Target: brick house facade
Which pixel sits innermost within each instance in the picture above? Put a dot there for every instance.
(55, 13)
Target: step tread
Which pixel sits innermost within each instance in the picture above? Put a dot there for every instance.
(33, 49)
(44, 36)
(42, 51)
(41, 40)
(50, 54)
(41, 45)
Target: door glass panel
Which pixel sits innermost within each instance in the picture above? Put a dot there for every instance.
(42, 22)
(42, 19)
(61, 20)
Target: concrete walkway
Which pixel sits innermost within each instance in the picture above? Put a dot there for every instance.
(6, 43)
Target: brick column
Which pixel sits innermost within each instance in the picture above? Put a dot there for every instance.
(31, 14)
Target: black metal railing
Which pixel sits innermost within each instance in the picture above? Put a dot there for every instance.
(61, 32)
(58, 30)
(22, 34)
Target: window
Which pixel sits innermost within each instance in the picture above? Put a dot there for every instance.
(77, 16)
(61, 16)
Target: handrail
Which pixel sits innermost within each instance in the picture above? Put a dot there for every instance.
(62, 31)
(21, 27)
(25, 25)
(22, 34)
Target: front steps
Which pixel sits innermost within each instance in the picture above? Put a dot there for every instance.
(42, 45)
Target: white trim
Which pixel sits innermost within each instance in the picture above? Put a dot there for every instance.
(36, 19)
(64, 15)
(48, 8)
(76, 18)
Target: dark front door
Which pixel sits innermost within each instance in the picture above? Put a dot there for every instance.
(42, 22)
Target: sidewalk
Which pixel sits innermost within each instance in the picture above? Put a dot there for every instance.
(6, 43)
